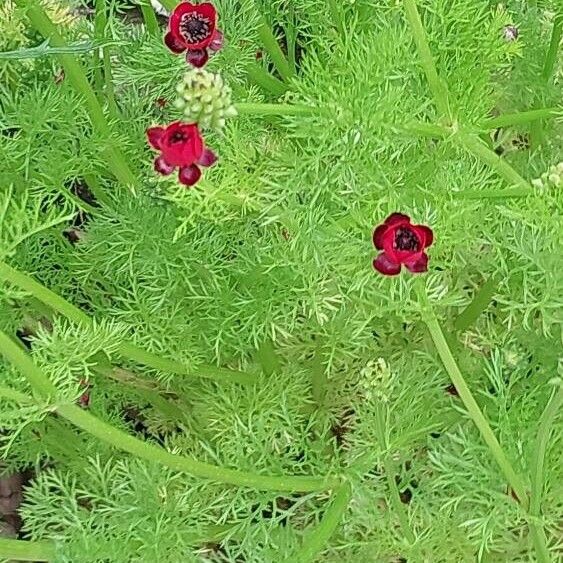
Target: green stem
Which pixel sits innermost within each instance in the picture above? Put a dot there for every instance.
(474, 145)
(437, 87)
(277, 109)
(127, 350)
(316, 541)
(381, 430)
(273, 49)
(536, 132)
(100, 26)
(76, 75)
(21, 550)
(149, 17)
(97, 191)
(551, 55)
(518, 118)
(424, 129)
(466, 396)
(478, 304)
(265, 80)
(493, 194)
(540, 447)
(15, 355)
(123, 441)
(109, 89)
(336, 15)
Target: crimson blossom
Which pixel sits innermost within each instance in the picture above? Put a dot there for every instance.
(401, 242)
(193, 28)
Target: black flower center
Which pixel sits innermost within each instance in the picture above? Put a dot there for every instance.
(178, 137)
(195, 28)
(405, 239)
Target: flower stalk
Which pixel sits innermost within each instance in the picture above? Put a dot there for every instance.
(128, 350)
(472, 144)
(473, 410)
(76, 75)
(519, 118)
(123, 441)
(437, 87)
(21, 550)
(317, 540)
(273, 49)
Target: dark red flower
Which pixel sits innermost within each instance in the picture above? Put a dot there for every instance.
(181, 146)
(401, 243)
(193, 28)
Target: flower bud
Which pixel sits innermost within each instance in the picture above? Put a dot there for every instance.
(205, 99)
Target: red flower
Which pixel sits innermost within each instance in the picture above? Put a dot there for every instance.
(193, 28)
(181, 146)
(402, 243)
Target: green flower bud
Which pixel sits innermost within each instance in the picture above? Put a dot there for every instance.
(205, 99)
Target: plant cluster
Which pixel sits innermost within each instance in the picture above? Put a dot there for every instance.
(202, 364)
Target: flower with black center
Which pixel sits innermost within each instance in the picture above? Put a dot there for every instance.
(181, 146)
(193, 28)
(401, 242)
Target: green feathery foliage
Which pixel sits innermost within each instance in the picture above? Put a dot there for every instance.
(263, 269)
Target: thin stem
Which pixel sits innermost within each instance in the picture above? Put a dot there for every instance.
(149, 17)
(265, 80)
(37, 380)
(317, 540)
(381, 430)
(551, 55)
(126, 349)
(540, 447)
(276, 109)
(109, 89)
(123, 441)
(424, 129)
(493, 194)
(335, 9)
(76, 75)
(478, 304)
(144, 450)
(466, 396)
(100, 26)
(518, 118)
(273, 49)
(536, 132)
(437, 87)
(472, 144)
(23, 550)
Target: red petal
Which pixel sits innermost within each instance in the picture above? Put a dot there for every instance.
(174, 42)
(207, 10)
(154, 136)
(386, 266)
(425, 234)
(217, 40)
(189, 175)
(207, 158)
(419, 265)
(197, 57)
(378, 236)
(396, 218)
(162, 167)
(176, 16)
